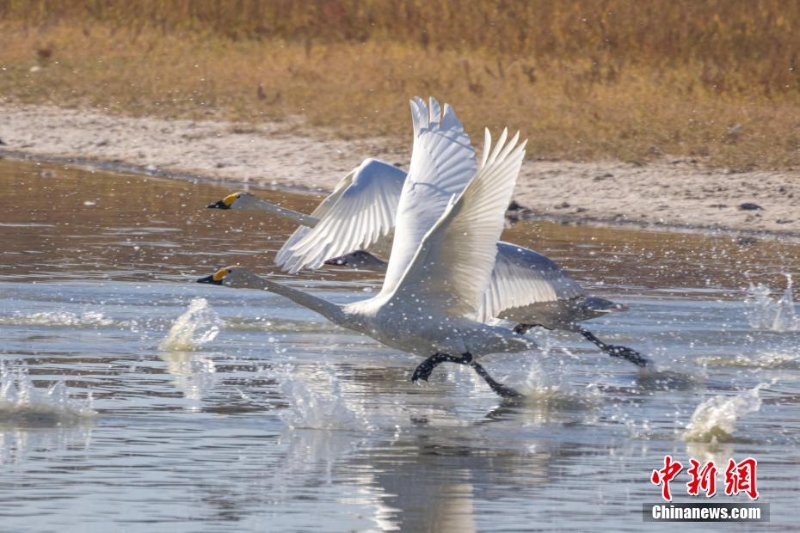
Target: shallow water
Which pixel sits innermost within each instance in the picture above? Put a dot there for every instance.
(134, 399)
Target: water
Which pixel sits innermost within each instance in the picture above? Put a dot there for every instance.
(199, 325)
(132, 398)
(768, 313)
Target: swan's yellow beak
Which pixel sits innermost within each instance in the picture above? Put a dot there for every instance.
(217, 277)
(225, 203)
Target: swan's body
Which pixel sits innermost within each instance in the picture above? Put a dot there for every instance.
(442, 256)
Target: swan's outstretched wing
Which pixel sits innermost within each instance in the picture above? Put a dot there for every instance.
(454, 262)
(322, 209)
(442, 163)
(360, 213)
(523, 277)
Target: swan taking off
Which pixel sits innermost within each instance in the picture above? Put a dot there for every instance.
(526, 287)
(442, 256)
(359, 214)
(530, 289)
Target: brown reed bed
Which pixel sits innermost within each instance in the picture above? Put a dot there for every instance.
(713, 80)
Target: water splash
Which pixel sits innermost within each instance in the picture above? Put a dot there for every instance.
(199, 325)
(316, 401)
(715, 419)
(765, 313)
(552, 395)
(24, 405)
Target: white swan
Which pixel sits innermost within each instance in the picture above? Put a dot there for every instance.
(526, 287)
(442, 255)
(359, 214)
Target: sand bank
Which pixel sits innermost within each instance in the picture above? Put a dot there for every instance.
(669, 193)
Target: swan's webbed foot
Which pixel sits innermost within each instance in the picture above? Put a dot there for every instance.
(424, 370)
(628, 354)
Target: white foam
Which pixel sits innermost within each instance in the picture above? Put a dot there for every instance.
(316, 400)
(199, 325)
(23, 404)
(715, 419)
(552, 390)
(58, 318)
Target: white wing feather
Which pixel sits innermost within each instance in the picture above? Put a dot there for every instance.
(523, 277)
(442, 163)
(452, 268)
(362, 211)
(322, 209)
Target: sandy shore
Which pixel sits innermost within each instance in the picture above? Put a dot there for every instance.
(670, 193)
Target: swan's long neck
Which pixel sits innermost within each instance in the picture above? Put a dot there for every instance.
(329, 310)
(295, 216)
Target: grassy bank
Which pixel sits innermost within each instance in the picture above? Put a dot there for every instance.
(584, 80)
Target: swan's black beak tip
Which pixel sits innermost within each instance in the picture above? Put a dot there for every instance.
(209, 279)
(218, 205)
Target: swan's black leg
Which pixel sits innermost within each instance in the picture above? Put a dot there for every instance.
(424, 369)
(501, 390)
(616, 351)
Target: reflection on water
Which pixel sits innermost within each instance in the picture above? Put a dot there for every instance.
(71, 223)
(173, 406)
(195, 374)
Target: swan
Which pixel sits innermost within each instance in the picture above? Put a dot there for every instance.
(442, 256)
(531, 290)
(526, 287)
(359, 214)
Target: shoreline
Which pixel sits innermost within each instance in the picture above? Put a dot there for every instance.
(666, 195)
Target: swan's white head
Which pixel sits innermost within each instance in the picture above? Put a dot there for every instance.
(235, 276)
(237, 200)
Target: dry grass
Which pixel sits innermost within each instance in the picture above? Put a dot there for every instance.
(716, 80)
